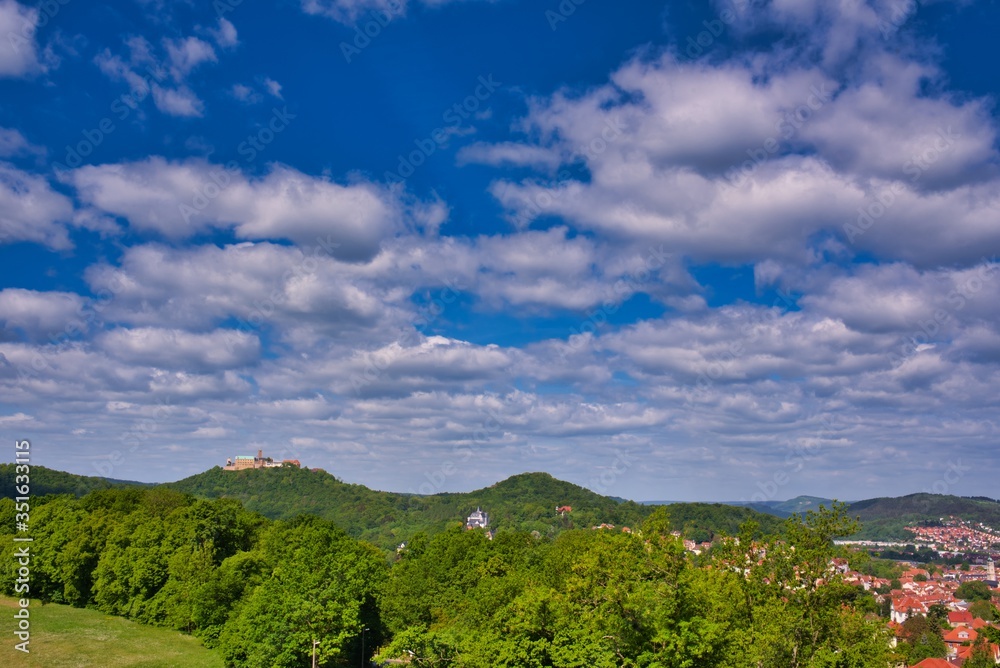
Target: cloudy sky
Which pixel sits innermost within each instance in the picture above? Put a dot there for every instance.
(738, 250)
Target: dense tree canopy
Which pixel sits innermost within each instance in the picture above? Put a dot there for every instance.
(267, 592)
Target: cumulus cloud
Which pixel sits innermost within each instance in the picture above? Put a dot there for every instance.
(225, 35)
(164, 72)
(179, 199)
(13, 143)
(348, 11)
(733, 162)
(180, 349)
(273, 87)
(30, 210)
(19, 48)
(40, 314)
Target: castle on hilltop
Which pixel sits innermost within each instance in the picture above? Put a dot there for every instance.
(259, 462)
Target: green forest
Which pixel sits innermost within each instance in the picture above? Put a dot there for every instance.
(886, 518)
(526, 502)
(262, 591)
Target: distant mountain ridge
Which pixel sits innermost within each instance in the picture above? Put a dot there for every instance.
(796, 506)
(885, 518)
(51, 481)
(526, 501)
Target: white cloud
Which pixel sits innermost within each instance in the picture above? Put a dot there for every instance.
(177, 101)
(187, 54)
(40, 314)
(147, 72)
(245, 94)
(745, 161)
(225, 35)
(179, 349)
(18, 48)
(13, 143)
(170, 198)
(348, 11)
(273, 87)
(508, 153)
(30, 210)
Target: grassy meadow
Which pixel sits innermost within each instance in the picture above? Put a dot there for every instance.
(67, 637)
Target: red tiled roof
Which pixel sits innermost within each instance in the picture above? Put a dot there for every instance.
(933, 663)
(960, 635)
(959, 617)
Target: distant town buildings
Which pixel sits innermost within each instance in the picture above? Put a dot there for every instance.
(957, 536)
(478, 520)
(240, 463)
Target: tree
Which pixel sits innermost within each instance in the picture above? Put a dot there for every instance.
(937, 616)
(974, 590)
(922, 640)
(321, 586)
(984, 610)
(982, 655)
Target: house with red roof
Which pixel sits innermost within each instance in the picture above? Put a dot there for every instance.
(961, 635)
(960, 618)
(933, 663)
(904, 606)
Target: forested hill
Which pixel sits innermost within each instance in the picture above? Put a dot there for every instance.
(885, 518)
(796, 506)
(50, 481)
(527, 502)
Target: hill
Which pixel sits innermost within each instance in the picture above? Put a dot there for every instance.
(527, 502)
(885, 518)
(796, 506)
(50, 481)
(67, 637)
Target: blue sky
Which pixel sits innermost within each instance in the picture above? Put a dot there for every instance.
(706, 251)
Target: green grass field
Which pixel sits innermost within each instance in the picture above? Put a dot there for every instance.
(67, 637)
